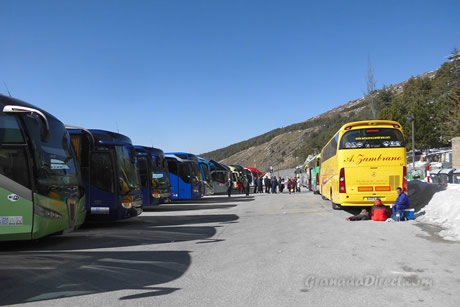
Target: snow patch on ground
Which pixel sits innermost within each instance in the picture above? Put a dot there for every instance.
(444, 210)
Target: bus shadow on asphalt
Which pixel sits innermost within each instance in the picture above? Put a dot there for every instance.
(213, 199)
(143, 230)
(354, 210)
(183, 207)
(32, 277)
(65, 266)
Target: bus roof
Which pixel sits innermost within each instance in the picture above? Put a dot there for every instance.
(218, 166)
(5, 100)
(152, 150)
(237, 167)
(367, 123)
(177, 158)
(102, 137)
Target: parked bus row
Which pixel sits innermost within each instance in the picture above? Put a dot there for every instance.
(53, 176)
(363, 161)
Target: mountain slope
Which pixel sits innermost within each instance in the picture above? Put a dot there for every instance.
(291, 145)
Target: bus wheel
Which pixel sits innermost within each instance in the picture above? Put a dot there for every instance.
(334, 205)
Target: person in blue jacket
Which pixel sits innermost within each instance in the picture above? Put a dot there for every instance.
(401, 203)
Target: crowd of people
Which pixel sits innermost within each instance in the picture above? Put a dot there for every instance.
(265, 184)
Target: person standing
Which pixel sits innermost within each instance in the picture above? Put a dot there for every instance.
(259, 184)
(246, 185)
(274, 183)
(293, 184)
(267, 185)
(229, 186)
(281, 184)
(256, 179)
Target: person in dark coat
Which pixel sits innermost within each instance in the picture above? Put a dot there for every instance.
(281, 184)
(274, 184)
(246, 185)
(294, 184)
(259, 184)
(267, 184)
(289, 185)
(255, 184)
(229, 186)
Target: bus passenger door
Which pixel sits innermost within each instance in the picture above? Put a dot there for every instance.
(185, 180)
(16, 197)
(102, 193)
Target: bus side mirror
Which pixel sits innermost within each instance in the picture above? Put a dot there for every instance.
(44, 126)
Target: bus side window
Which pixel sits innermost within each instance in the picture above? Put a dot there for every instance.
(172, 167)
(184, 172)
(142, 168)
(13, 164)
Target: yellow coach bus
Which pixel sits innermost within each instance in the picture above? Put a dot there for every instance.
(364, 161)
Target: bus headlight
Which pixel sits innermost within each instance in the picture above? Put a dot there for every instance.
(45, 212)
(127, 203)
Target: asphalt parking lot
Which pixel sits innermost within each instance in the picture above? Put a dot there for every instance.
(261, 250)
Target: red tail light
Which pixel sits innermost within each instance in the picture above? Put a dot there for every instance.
(342, 188)
(317, 179)
(404, 179)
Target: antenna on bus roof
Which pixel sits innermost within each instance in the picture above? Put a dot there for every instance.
(7, 88)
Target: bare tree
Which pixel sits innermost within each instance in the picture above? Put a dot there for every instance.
(371, 89)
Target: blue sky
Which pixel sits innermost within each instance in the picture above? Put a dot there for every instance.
(186, 75)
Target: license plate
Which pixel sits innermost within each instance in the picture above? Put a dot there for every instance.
(372, 198)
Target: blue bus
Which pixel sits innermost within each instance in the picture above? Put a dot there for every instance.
(185, 178)
(207, 177)
(153, 170)
(40, 184)
(108, 165)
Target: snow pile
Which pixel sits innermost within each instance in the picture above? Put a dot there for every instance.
(444, 210)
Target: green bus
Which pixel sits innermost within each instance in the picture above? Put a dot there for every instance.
(313, 169)
(41, 192)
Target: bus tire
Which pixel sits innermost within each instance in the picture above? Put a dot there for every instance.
(334, 205)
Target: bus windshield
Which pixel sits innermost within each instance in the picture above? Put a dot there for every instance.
(55, 160)
(159, 175)
(127, 167)
(372, 138)
(220, 176)
(207, 174)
